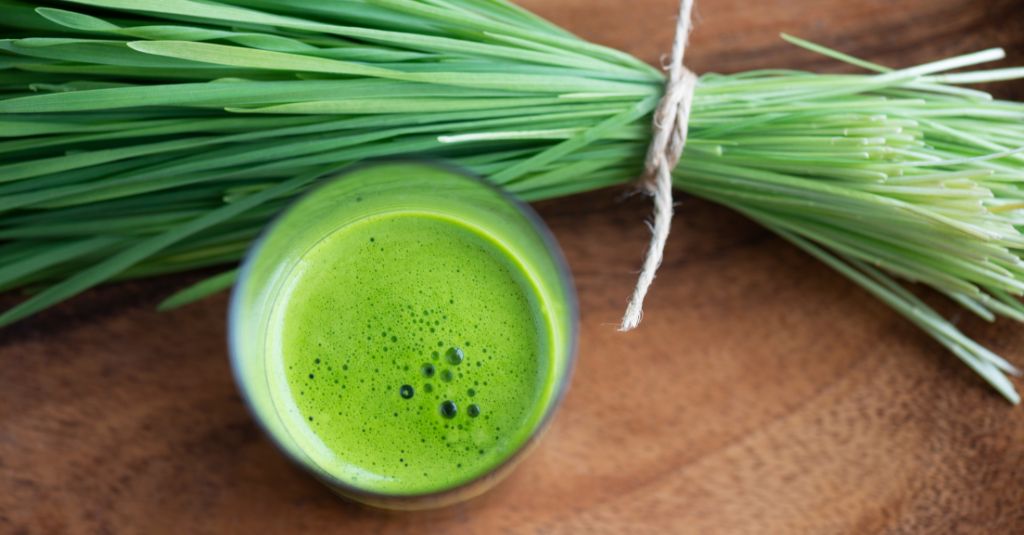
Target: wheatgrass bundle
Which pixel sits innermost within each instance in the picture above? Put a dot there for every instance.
(142, 137)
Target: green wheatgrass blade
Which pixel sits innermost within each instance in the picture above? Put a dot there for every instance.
(42, 184)
(199, 290)
(52, 254)
(152, 128)
(232, 94)
(114, 72)
(116, 53)
(87, 23)
(166, 130)
(67, 162)
(180, 199)
(122, 226)
(393, 106)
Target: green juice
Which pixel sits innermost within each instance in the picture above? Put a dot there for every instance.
(404, 332)
(415, 353)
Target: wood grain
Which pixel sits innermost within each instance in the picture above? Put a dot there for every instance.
(763, 393)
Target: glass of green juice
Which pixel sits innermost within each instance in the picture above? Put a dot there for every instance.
(404, 332)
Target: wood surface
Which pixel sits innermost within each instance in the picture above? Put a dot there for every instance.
(762, 394)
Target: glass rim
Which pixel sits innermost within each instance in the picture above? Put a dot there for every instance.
(550, 245)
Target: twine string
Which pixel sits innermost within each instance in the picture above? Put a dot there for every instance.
(670, 125)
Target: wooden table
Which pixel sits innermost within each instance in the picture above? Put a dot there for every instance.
(763, 393)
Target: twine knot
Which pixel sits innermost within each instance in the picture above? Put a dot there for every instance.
(671, 120)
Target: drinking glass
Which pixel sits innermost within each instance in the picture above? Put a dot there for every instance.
(371, 190)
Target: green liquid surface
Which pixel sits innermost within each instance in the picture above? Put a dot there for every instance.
(411, 354)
